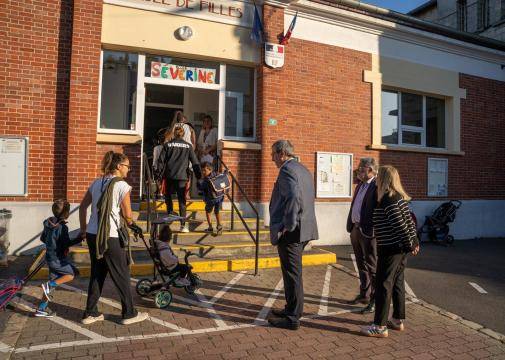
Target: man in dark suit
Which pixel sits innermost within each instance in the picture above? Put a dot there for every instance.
(292, 225)
(360, 226)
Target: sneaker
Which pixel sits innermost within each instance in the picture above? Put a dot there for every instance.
(47, 291)
(375, 331)
(184, 229)
(44, 313)
(396, 325)
(209, 230)
(141, 316)
(182, 282)
(91, 319)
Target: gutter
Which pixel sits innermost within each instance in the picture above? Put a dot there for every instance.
(385, 14)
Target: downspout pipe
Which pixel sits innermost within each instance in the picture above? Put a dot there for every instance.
(417, 23)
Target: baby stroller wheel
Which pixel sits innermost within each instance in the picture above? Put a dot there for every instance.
(143, 287)
(449, 239)
(163, 299)
(196, 282)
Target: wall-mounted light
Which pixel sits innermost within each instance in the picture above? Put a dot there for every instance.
(184, 33)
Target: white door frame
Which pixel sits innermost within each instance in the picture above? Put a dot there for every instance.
(142, 80)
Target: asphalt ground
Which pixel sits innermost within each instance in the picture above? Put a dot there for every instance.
(442, 276)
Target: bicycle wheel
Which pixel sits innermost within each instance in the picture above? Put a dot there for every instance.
(163, 299)
(143, 287)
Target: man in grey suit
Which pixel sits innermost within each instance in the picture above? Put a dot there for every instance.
(292, 225)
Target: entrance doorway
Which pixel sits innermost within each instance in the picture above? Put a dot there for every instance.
(161, 103)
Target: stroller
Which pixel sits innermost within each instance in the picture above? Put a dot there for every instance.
(161, 290)
(436, 225)
(11, 287)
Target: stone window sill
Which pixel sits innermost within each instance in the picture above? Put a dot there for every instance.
(118, 139)
(238, 145)
(414, 149)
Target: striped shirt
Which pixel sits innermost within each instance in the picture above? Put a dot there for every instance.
(393, 226)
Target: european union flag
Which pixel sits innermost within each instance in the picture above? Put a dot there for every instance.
(257, 33)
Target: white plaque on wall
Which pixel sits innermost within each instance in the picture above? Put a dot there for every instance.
(13, 166)
(334, 175)
(437, 177)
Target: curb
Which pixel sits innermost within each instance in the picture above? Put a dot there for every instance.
(465, 322)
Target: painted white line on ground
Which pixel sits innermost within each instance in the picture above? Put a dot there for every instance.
(210, 309)
(4, 348)
(477, 287)
(260, 319)
(60, 321)
(323, 304)
(227, 287)
(117, 305)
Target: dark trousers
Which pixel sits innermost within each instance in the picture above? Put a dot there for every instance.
(290, 251)
(179, 187)
(390, 284)
(114, 261)
(365, 250)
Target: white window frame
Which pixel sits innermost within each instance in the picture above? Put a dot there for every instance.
(415, 129)
(135, 108)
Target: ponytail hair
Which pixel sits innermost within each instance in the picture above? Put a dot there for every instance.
(111, 160)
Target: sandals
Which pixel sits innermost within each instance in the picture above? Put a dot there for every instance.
(219, 230)
(398, 326)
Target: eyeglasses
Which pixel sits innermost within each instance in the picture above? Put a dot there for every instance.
(128, 166)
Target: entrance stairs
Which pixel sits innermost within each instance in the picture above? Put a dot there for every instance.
(233, 250)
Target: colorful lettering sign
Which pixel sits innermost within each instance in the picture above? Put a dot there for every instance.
(182, 73)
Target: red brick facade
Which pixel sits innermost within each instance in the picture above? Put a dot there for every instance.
(49, 80)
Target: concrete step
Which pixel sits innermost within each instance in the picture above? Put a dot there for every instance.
(193, 205)
(197, 237)
(201, 225)
(198, 215)
(144, 266)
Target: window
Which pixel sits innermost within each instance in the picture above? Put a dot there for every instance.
(482, 14)
(461, 14)
(119, 90)
(412, 119)
(239, 110)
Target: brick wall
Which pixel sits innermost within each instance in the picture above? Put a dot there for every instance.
(244, 165)
(34, 84)
(86, 45)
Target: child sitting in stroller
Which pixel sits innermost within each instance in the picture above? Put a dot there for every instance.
(168, 259)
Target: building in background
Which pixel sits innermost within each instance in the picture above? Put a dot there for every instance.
(482, 17)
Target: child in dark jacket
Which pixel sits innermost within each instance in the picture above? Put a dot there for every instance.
(55, 237)
(212, 202)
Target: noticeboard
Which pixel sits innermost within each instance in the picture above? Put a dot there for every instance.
(334, 175)
(13, 166)
(437, 177)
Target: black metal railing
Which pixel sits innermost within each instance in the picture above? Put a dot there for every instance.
(234, 183)
(147, 181)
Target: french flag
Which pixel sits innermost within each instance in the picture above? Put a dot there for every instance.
(286, 37)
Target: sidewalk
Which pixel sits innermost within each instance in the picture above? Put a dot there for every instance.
(227, 321)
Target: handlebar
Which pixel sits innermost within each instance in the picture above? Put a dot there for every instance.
(187, 254)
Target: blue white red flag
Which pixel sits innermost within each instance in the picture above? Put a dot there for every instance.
(257, 33)
(291, 27)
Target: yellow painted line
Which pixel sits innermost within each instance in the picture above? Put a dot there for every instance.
(192, 205)
(181, 247)
(237, 221)
(217, 265)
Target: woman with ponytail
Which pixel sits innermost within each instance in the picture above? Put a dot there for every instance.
(109, 197)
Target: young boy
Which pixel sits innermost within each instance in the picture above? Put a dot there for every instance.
(168, 258)
(55, 237)
(212, 202)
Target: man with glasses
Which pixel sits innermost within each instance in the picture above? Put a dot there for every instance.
(360, 226)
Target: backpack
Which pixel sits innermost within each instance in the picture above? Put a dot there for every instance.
(219, 185)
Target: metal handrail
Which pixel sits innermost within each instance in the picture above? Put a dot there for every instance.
(148, 178)
(234, 208)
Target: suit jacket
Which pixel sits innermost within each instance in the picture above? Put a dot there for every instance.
(367, 207)
(292, 203)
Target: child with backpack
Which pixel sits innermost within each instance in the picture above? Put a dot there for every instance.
(55, 237)
(212, 195)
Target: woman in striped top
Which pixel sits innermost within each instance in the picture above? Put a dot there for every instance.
(396, 238)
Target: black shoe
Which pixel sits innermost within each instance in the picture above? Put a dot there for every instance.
(284, 323)
(279, 313)
(370, 308)
(359, 300)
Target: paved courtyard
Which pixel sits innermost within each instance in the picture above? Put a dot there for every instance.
(227, 320)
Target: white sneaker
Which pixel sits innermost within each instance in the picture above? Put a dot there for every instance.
(91, 319)
(184, 229)
(141, 316)
(182, 282)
